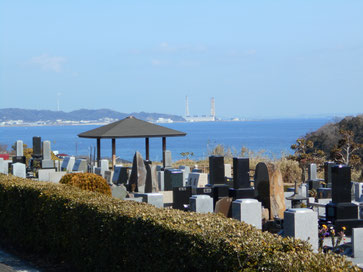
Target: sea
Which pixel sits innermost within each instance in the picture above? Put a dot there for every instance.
(271, 138)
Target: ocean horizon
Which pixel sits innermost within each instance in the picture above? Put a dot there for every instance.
(271, 138)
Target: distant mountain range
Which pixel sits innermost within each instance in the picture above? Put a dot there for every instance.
(77, 115)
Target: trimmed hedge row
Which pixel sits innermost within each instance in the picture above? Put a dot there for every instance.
(99, 233)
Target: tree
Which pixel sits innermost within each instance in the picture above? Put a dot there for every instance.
(306, 154)
(346, 150)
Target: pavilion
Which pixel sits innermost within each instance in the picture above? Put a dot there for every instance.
(130, 127)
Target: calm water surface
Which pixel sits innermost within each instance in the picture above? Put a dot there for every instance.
(273, 136)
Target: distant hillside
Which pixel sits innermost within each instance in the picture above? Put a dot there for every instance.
(326, 137)
(77, 115)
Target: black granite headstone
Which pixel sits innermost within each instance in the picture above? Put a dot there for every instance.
(216, 170)
(349, 224)
(37, 147)
(202, 191)
(20, 159)
(181, 196)
(172, 178)
(219, 191)
(242, 193)
(241, 173)
(341, 184)
(336, 211)
(324, 192)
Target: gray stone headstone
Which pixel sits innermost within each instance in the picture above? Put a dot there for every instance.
(302, 224)
(46, 150)
(303, 190)
(119, 191)
(19, 148)
(155, 199)
(357, 242)
(201, 204)
(136, 199)
(68, 163)
(161, 180)
(288, 203)
(80, 166)
(228, 170)
(186, 171)
(248, 210)
(312, 172)
(198, 179)
(2, 166)
(47, 161)
(108, 175)
(19, 170)
(168, 161)
(151, 184)
(321, 210)
(104, 167)
(6, 166)
(44, 174)
(138, 174)
(358, 192)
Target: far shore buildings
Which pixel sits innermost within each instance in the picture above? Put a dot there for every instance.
(203, 118)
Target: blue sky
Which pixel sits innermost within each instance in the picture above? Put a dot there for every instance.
(257, 58)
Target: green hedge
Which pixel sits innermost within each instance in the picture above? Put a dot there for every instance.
(94, 232)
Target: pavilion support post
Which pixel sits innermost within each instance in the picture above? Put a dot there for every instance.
(147, 154)
(164, 148)
(98, 151)
(113, 153)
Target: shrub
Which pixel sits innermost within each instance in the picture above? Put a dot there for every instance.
(98, 233)
(88, 182)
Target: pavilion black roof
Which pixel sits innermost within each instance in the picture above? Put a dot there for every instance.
(131, 127)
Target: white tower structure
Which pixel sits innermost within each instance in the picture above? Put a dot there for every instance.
(186, 106)
(212, 109)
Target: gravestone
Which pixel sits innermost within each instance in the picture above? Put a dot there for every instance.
(202, 191)
(168, 161)
(269, 189)
(341, 211)
(198, 179)
(172, 178)
(303, 190)
(186, 172)
(223, 206)
(20, 158)
(201, 204)
(108, 175)
(328, 173)
(47, 161)
(37, 147)
(219, 191)
(357, 242)
(19, 148)
(358, 193)
(241, 173)
(138, 174)
(67, 164)
(80, 165)
(322, 210)
(249, 211)
(312, 172)
(302, 224)
(151, 184)
(5, 168)
(120, 175)
(181, 197)
(19, 170)
(104, 166)
(216, 170)
(119, 191)
(155, 199)
(44, 174)
(2, 166)
(161, 180)
(228, 170)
